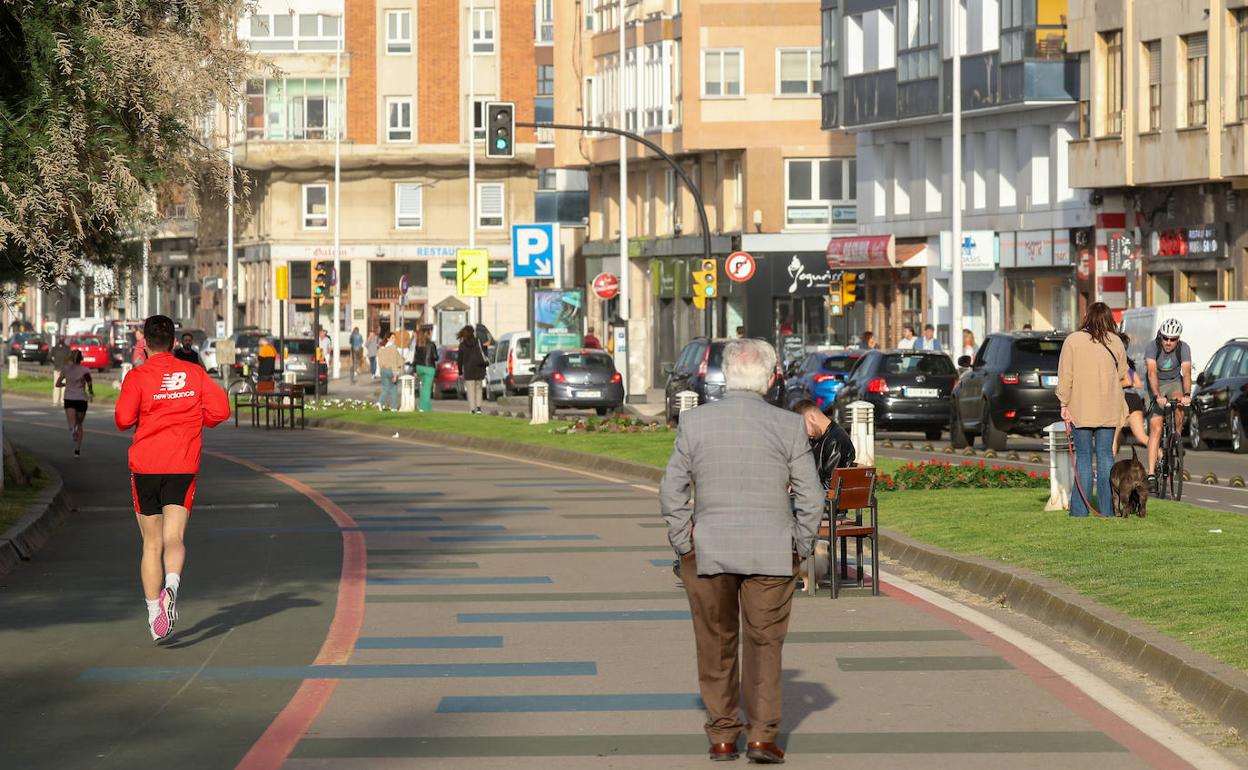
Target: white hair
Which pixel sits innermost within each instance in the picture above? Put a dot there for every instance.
(749, 364)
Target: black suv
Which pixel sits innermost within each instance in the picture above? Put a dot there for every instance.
(1220, 399)
(1010, 387)
(908, 388)
(700, 368)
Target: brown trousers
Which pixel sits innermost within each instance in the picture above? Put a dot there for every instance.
(720, 604)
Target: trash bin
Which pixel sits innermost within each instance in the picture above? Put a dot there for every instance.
(862, 431)
(1061, 475)
(290, 378)
(539, 403)
(407, 393)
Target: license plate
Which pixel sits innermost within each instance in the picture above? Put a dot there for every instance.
(589, 394)
(32, 347)
(1050, 380)
(294, 367)
(922, 392)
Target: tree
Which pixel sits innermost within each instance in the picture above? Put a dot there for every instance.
(103, 104)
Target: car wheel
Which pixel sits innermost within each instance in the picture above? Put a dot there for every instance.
(933, 434)
(1239, 439)
(1197, 440)
(957, 434)
(994, 439)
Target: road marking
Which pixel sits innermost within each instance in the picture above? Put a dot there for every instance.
(30, 413)
(501, 580)
(506, 538)
(530, 598)
(1205, 500)
(547, 704)
(571, 617)
(429, 642)
(926, 663)
(1237, 505)
(340, 671)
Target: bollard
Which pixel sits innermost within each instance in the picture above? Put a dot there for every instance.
(12, 367)
(539, 403)
(1061, 475)
(686, 400)
(290, 378)
(407, 393)
(862, 432)
(125, 369)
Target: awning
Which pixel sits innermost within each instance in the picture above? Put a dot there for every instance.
(863, 251)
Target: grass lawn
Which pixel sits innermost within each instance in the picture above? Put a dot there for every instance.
(1167, 570)
(15, 500)
(41, 387)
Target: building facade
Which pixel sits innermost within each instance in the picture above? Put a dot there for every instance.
(1162, 148)
(731, 91)
(890, 83)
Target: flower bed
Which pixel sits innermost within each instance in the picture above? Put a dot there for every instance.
(344, 404)
(616, 424)
(938, 475)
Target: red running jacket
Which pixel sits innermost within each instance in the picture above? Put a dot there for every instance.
(171, 401)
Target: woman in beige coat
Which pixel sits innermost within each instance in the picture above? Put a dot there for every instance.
(1089, 387)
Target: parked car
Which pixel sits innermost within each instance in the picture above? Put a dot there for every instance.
(581, 379)
(94, 351)
(1220, 399)
(510, 365)
(908, 388)
(1010, 387)
(819, 377)
(119, 337)
(29, 346)
(246, 343)
(700, 368)
(300, 357)
(446, 382)
(208, 355)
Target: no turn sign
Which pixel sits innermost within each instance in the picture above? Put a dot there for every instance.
(739, 266)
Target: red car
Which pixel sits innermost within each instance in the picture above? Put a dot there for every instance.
(94, 352)
(446, 380)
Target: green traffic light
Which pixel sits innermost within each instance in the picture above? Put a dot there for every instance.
(500, 143)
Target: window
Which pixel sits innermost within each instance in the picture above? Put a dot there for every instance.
(1197, 78)
(797, 71)
(478, 118)
(660, 88)
(830, 81)
(870, 42)
(1085, 88)
(408, 200)
(292, 32)
(298, 109)
(547, 178)
(482, 30)
(722, 72)
(1241, 62)
(544, 21)
(1152, 50)
(1012, 33)
(398, 32)
(398, 119)
(1112, 78)
(489, 205)
(545, 80)
(920, 33)
(820, 192)
(316, 207)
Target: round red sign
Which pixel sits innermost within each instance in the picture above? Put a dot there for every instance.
(739, 266)
(606, 286)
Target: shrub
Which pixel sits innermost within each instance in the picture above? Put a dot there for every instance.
(615, 424)
(938, 475)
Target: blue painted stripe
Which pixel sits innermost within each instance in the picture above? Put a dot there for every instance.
(506, 538)
(399, 517)
(531, 704)
(429, 642)
(662, 562)
(477, 508)
(570, 617)
(409, 528)
(348, 671)
(503, 580)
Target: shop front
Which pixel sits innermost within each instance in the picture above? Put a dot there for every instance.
(890, 284)
(1039, 272)
(787, 299)
(982, 288)
(1187, 264)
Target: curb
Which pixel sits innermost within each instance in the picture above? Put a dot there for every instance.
(1219, 689)
(31, 532)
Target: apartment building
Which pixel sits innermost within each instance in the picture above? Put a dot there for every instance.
(1161, 150)
(403, 111)
(890, 83)
(731, 90)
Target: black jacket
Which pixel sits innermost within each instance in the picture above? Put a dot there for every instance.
(471, 359)
(832, 450)
(425, 355)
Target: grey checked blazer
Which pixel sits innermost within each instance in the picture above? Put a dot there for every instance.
(725, 492)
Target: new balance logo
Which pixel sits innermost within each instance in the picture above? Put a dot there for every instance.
(173, 381)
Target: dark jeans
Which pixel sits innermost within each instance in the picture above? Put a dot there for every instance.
(1086, 440)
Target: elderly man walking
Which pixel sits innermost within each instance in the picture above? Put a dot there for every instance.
(739, 536)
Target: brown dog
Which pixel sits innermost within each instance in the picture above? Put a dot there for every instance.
(1129, 484)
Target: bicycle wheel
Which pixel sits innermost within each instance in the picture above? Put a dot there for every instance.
(1176, 467)
(1163, 466)
(238, 387)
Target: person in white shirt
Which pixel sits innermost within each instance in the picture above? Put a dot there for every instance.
(968, 343)
(907, 338)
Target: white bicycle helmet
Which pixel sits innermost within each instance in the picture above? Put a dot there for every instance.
(1171, 328)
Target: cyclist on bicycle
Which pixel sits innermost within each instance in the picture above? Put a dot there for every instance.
(1169, 362)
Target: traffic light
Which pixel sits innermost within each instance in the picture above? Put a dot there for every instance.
(500, 130)
(705, 283)
(849, 286)
(322, 280)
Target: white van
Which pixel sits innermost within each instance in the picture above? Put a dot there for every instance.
(510, 368)
(1206, 327)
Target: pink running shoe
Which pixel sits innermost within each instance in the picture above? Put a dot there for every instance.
(163, 622)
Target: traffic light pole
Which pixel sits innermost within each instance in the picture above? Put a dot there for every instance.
(316, 348)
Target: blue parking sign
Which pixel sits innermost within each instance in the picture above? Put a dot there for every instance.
(533, 251)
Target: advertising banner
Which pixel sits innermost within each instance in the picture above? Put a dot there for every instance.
(558, 319)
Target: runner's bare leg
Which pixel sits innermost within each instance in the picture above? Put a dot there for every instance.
(150, 568)
(175, 518)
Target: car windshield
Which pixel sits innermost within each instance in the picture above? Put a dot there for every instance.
(300, 347)
(451, 355)
(839, 364)
(248, 340)
(521, 349)
(26, 337)
(902, 363)
(1036, 354)
(586, 361)
(86, 341)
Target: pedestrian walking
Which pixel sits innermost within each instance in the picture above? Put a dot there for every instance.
(968, 343)
(187, 352)
(168, 402)
(868, 341)
(928, 341)
(75, 380)
(471, 364)
(356, 341)
(371, 345)
(907, 338)
(591, 341)
(326, 346)
(425, 363)
(1090, 372)
(1131, 385)
(390, 363)
(739, 543)
(60, 356)
(139, 354)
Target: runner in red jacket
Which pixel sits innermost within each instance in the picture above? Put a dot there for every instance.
(170, 401)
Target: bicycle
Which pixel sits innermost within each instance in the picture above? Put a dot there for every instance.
(1170, 462)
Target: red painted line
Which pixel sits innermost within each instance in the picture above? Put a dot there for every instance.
(1134, 740)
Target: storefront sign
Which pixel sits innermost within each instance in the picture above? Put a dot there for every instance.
(978, 250)
(1118, 249)
(861, 251)
(1033, 248)
(791, 347)
(1061, 248)
(1197, 242)
(1206, 241)
(804, 273)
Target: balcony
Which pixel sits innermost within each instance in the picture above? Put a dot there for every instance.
(1235, 150)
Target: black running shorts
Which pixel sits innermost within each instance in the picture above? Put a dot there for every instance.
(153, 491)
(1135, 403)
(76, 405)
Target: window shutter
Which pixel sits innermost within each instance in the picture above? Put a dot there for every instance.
(1154, 63)
(490, 205)
(1197, 46)
(407, 205)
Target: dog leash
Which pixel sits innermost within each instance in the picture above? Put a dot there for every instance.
(1075, 472)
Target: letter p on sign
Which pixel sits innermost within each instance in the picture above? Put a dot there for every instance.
(533, 249)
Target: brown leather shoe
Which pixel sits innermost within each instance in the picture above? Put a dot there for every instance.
(724, 752)
(764, 753)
